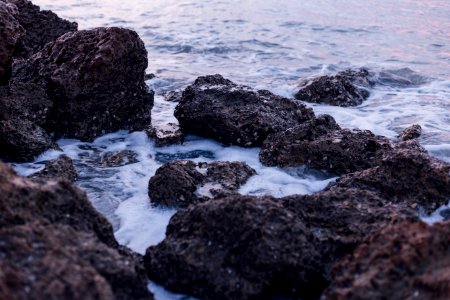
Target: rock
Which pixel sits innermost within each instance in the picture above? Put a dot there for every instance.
(10, 33)
(412, 132)
(39, 261)
(407, 174)
(243, 247)
(182, 183)
(321, 144)
(22, 140)
(347, 88)
(51, 202)
(168, 134)
(41, 27)
(217, 108)
(149, 76)
(401, 78)
(405, 261)
(173, 96)
(95, 79)
(117, 159)
(60, 168)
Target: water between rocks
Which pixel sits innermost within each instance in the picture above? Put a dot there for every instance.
(266, 45)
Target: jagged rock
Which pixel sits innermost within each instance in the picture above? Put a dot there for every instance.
(243, 247)
(22, 140)
(347, 88)
(182, 183)
(411, 132)
(165, 135)
(217, 108)
(321, 144)
(60, 168)
(10, 33)
(407, 174)
(41, 27)
(39, 261)
(117, 159)
(173, 96)
(405, 261)
(95, 79)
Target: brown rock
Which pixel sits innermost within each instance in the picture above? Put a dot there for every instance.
(168, 134)
(60, 168)
(412, 132)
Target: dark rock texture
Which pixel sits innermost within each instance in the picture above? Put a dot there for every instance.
(60, 168)
(165, 135)
(40, 261)
(217, 108)
(408, 174)
(401, 78)
(41, 27)
(95, 80)
(347, 88)
(10, 33)
(242, 247)
(182, 183)
(410, 133)
(321, 144)
(22, 140)
(116, 159)
(406, 261)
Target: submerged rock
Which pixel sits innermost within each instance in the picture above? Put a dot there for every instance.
(165, 135)
(217, 108)
(405, 261)
(182, 183)
(412, 132)
(22, 140)
(347, 88)
(407, 174)
(401, 78)
(60, 168)
(10, 34)
(53, 261)
(117, 159)
(41, 27)
(321, 144)
(243, 247)
(95, 80)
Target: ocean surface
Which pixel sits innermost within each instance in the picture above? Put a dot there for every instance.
(266, 45)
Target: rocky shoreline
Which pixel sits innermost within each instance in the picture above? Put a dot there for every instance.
(360, 238)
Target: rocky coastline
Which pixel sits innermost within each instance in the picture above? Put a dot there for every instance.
(360, 238)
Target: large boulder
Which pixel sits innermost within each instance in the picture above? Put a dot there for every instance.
(60, 168)
(10, 33)
(321, 144)
(347, 88)
(39, 261)
(242, 247)
(405, 261)
(95, 80)
(182, 183)
(407, 174)
(41, 27)
(217, 108)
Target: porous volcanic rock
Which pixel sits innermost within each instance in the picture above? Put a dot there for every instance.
(404, 261)
(41, 27)
(182, 183)
(217, 108)
(321, 144)
(347, 88)
(44, 261)
(10, 33)
(412, 132)
(407, 174)
(165, 135)
(60, 168)
(95, 80)
(243, 247)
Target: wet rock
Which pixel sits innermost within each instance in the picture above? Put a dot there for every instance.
(117, 159)
(412, 132)
(243, 247)
(321, 144)
(40, 261)
(173, 96)
(10, 33)
(407, 174)
(217, 108)
(182, 183)
(149, 76)
(406, 261)
(41, 27)
(401, 78)
(165, 135)
(95, 79)
(22, 140)
(60, 168)
(50, 202)
(347, 88)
